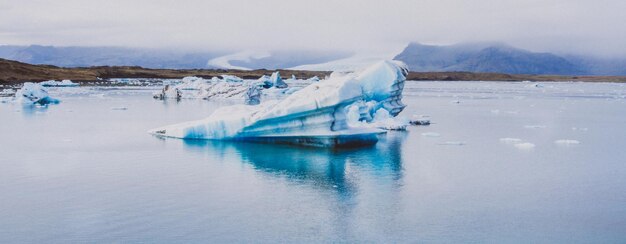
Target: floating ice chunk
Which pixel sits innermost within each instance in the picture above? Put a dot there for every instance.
(168, 92)
(33, 93)
(524, 145)
(384, 120)
(534, 126)
(419, 120)
(315, 115)
(580, 129)
(63, 83)
(277, 81)
(452, 143)
(192, 83)
(431, 134)
(567, 142)
(509, 140)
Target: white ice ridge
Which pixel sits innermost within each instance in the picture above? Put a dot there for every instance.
(315, 115)
(229, 86)
(63, 83)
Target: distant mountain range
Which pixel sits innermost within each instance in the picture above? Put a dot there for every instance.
(477, 57)
(501, 58)
(162, 59)
(105, 56)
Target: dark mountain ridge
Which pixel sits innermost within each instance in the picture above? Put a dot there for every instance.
(501, 58)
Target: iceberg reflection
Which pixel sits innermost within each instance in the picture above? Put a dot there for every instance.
(322, 168)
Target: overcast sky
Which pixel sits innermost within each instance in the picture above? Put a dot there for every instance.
(579, 26)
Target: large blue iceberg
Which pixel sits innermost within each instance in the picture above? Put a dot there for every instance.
(335, 112)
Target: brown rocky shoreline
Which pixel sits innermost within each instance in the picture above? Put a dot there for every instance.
(13, 72)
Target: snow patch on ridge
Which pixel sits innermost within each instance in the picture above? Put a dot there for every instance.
(223, 62)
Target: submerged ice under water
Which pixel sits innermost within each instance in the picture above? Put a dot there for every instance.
(80, 171)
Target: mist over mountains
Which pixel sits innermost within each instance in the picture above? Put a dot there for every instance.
(474, 57)
(501, 58)
(157, 58)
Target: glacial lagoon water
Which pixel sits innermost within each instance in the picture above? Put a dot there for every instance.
(502, 162)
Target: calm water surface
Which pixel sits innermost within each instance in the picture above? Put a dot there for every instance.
(87, 171)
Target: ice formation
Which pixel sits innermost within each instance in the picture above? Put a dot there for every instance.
(231, 78)
(313, 79)
(63, 83)
(168, 92)
(227, 87)
(524, 146)
(509, 140)
(192, 83)
(33, 93)
(321, 114)
(567, 142)
(265, 81)
(7, 92)
(431, 134)
(277, 81)
(253, 95)
(419, 120)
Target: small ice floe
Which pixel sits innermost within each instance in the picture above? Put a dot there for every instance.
(524, 145)
(534, 126)
(278, 81)
(168, 92)
(517, 143)
(7, 93)
(63, 83)
(508, 140)
(495, 111)
(431, 134)
(419, 120)
(119, 108)
(33, 93)
(580, 129)
(453, 143)
(566, 142)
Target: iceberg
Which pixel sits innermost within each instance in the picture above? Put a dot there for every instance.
(316, 115)
(277, 81)
(33, 93)
(168, 92)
